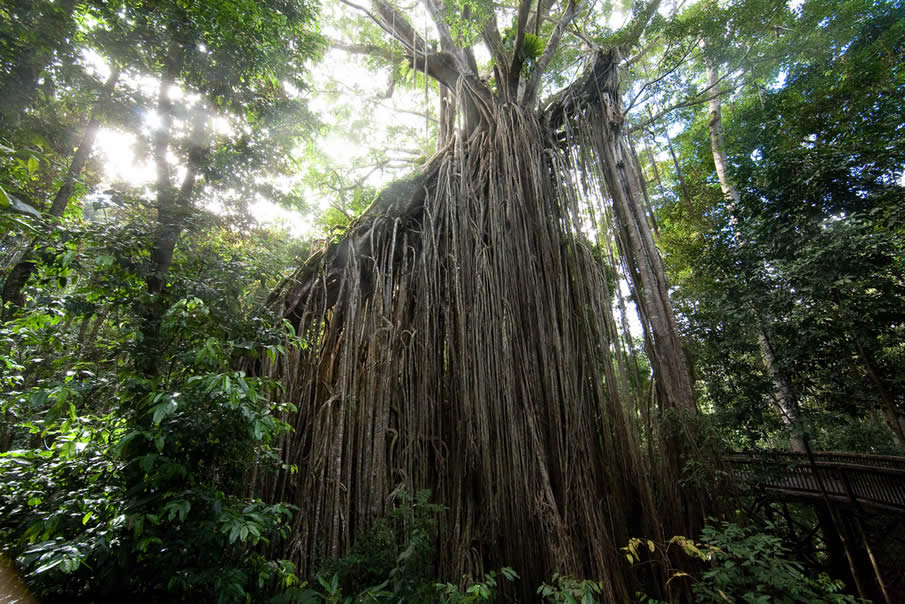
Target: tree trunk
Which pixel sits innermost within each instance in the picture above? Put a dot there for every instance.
(169, 222)
(647, 275)
(173, 206)
(782, 392)
(893, 418)
(462, 339)
(783, 397)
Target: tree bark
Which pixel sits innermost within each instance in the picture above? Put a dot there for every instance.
(782, 395)
(171, 213)
(647, 275)
(782, 392)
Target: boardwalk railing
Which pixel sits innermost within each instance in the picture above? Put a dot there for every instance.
(876, 481)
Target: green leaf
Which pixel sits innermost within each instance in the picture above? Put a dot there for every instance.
(49, 566)
(147, 462)
(177, 509)
(11, 203)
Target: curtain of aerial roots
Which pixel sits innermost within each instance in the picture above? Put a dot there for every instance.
(471, 349)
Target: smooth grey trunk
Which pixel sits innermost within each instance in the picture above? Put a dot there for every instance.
(782, 396)
(782, 392)
(889, 407)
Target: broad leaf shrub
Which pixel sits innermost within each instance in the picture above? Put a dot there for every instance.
(569, 590)
(114, 481)
(739, 565)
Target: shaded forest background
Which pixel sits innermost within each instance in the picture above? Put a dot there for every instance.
(155, 378)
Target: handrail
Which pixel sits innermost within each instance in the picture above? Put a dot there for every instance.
(867, 480)
(863, 459)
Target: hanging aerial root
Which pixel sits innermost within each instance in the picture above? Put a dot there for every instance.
(462, 339)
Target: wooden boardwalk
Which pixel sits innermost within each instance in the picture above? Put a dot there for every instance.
(867, 481)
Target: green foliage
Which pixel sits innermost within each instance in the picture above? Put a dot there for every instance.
(117, 481)
(739, 564)
(569, 590)
(396, 554)
(748, 566)
(395, 562)
(483, 591)
(811, 255)
(466, 19)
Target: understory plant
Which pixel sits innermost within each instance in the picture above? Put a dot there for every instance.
(738, 564)
(118, 479)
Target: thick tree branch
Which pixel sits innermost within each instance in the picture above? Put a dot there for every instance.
(515, 69)
(531, 89)
(362, 9)
(435, 10)
(464, 56)
(494, 43)
(396, 24)
(372, 50)
(439, 65)
(538, 15)
(637, 27)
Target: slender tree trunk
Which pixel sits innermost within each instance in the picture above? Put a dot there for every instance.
(167, 228)
(785, 400)
(782, 392)
(86, 146)
(686, 196)
(648, 208)
(680, 175)
(889, 406)
(168, 223)
(173, 206)
(22, 271)
(18, 89)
